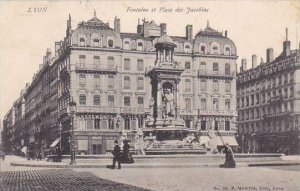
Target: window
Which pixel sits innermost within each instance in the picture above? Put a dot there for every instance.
(227, 86)
(215, 66)
(188, 104)
(188, 85)
(140, 101)
(96, 99)
(227, 69)
(227, 125)
(202, 49)
(140, 122)
(96, 42)
(227, 104)
(203, 104)
(187, 65)
(127, 123)
(81, 42)
(140, 46)
(111, 101)
(203, 125)
(203, 85)
(292, 106)
(140, 83)
(110, 82)
(140, 65)
(126, 64)
(110, 43)
(292, 77)
(215, 85)
(97, 124)
(127, 45)
(291, 91)
(203, 66)
(126, 82)
(81, 59)
(227, 51)
(82, 99)
(127, 101)
(82, 80)
(110, 61)
(215, 50)
(97, 60)
(96, 81)
(216, 125)
(215, 104)
(110, 123)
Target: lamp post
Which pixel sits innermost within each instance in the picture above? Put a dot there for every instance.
(60, 129)
(72, 108)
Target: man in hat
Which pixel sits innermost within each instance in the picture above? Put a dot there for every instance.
(117, 155)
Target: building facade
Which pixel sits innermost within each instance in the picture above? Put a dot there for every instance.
(268, 102)
(104, 71)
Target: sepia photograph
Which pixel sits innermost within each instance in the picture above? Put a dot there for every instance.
(160, 95)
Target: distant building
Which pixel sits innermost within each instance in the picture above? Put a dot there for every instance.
(104, 71)
(268, 102)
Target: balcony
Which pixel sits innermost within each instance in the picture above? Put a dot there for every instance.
(218, 74)
(275, 115)
(96, 109)
(217, 112)
(276, 99)
(93, 68)
(131, 110)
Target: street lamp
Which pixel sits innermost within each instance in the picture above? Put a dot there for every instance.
(72, 109)
(60, 129)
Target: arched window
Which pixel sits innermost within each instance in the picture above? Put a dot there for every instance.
(202, 49)
(82, 41)
(96, 42)
(215, 104)
(140, 46)
(227, 51)
(215, 50)
(110, 43)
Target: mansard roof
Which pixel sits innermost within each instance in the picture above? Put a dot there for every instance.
(210, 32)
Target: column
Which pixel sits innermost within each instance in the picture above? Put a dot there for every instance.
(159, 95)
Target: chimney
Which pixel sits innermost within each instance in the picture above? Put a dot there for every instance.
(226, 33)
(117, 25)
(241, 68)
(163, 29)
(286, 44)
(254, 60)
(270, 55)
(244, 64)
(189, 32)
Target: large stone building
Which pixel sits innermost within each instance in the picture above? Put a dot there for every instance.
(268, 102)
(106, 73)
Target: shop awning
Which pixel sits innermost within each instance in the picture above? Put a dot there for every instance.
(24, 149)
(55, 142)
(222, 140)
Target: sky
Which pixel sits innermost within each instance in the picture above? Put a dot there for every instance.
(25, 35)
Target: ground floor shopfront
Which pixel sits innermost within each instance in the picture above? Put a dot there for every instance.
(283, 142)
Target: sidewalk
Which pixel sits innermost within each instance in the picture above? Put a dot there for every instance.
(286, 161)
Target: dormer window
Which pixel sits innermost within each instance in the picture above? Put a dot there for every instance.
(187, 48)
(202, 49)
(227, 51)
(82, 42)
(110, 43)
(140, 46)
(215, 50)
(127, 45)
(96, 42)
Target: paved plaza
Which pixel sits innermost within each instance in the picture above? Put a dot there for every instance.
(276, 178)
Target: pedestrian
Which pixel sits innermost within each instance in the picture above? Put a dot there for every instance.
(117, 156)
(229, 157)
(127, 157)
(3, 156)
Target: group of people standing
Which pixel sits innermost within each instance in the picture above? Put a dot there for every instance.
(121, 157)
